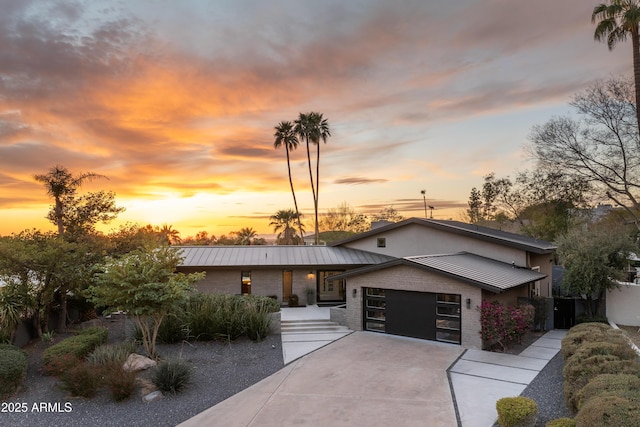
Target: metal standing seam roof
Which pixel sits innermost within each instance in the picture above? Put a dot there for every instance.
(489, 274)
(483, 233)
(276, 256)
(483, 271)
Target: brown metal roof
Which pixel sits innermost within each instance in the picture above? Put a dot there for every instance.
(277, 256)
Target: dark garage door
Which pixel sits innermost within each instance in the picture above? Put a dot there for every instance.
(412, 314)
(422, 315)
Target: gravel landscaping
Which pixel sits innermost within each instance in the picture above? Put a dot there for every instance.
(219, 370)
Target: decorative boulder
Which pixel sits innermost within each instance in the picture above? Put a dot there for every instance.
(136, 362)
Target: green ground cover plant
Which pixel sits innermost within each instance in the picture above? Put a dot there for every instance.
(13, 369)
(172, 376)
(76, 347)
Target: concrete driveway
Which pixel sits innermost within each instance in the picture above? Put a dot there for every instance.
(362, 379)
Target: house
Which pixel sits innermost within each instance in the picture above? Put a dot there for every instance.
(276, 270)
(421, 278)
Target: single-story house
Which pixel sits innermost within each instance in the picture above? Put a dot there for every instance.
(422, 278)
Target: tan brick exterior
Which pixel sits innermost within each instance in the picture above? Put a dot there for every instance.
(263, 282)
(414, 279)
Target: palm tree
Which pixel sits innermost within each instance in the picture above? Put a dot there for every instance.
(285, 135)
(282, 224)
(312, 127)
(61, 184)
(245, 235)
(169, 235)
(616, 20)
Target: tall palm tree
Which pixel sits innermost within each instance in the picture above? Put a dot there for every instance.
(245, 235)
(312, 127)
(616, 20)
(282, 222)
(61, 184)
(285, 136)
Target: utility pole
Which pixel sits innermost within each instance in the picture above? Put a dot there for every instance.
(424, 197)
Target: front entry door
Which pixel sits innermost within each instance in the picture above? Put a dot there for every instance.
(287, 284)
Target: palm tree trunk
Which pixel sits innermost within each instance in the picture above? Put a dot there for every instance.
(295, 202)
(635, 38)
(317, 192)
(313, 189)
(58, 212)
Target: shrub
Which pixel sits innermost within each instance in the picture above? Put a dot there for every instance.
(107, 354)
(579, 334)
(561, 422)
(257, 320)
(504, 325)
(13, 369)
(173, 329)
(622, 385)
(578, 371)
(171, 376)
(81, 380)
(121, 383)
(607, 411)
(58, 364)
(79, 345)
(592, 319)
(516, 411)
(293, 300)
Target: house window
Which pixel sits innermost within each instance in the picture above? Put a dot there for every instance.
(246, 283)
(382, 242)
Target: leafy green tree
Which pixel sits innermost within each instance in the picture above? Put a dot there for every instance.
(285, 135)
(601, 146)
(42, 266)
(543, 203)
(144, 283)
(283, 223)
(594, 258)
(313, 127)
(615, 21)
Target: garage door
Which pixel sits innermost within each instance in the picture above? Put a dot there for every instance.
(425, 315)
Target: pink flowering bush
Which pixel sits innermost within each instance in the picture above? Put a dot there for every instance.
(504, 325)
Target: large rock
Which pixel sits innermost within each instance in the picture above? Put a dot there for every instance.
(137, 362)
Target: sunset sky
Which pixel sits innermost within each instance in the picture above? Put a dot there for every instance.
(176, 101)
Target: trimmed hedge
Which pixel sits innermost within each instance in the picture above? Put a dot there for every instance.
(517, 412)
(79, 345)
(609, 411)
(601, 376)
(626, 386)
(13, 369)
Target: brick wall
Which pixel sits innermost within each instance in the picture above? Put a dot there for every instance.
(263, 282)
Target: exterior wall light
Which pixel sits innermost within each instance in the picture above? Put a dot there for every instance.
(355, 292)
(468, 302)
(310, 275)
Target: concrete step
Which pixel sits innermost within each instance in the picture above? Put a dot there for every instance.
(311, 326)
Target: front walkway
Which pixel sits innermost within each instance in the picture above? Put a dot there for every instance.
(479, 378)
